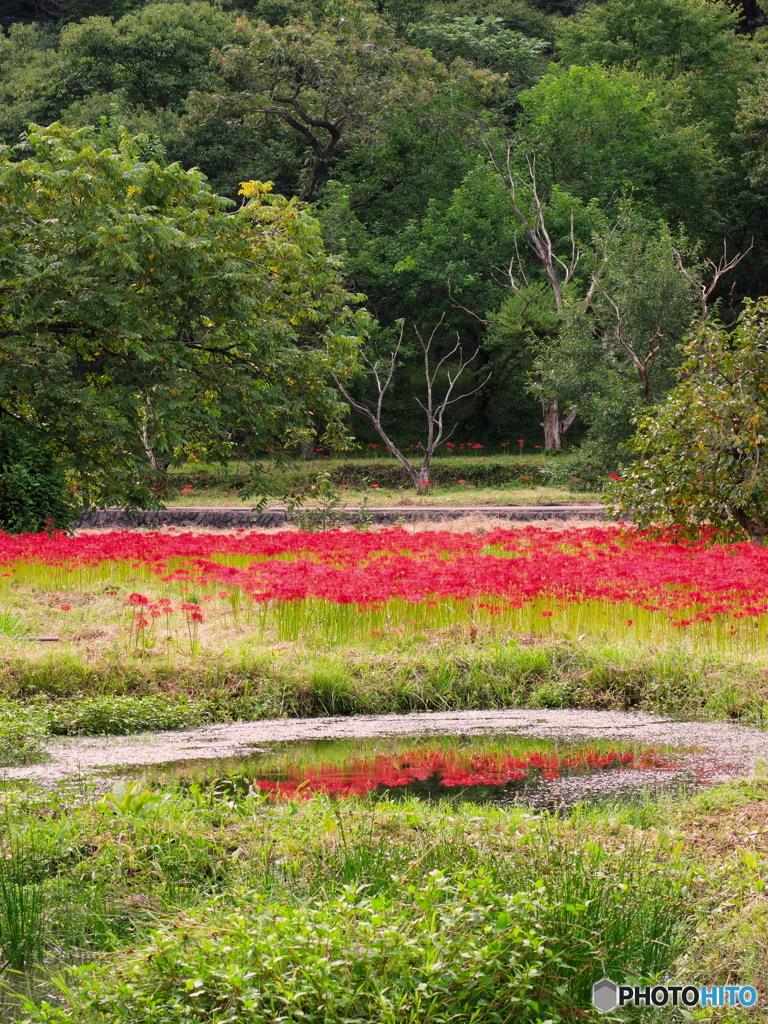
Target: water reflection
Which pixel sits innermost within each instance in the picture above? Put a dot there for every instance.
(504, 769)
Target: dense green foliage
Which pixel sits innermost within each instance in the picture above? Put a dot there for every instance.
(33, 494)
(557, 180)
(702, 457)
(140, 318)
(248, 910)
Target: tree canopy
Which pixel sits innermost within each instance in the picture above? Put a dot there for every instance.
(701, 457)
(142, 317)
(391, 121)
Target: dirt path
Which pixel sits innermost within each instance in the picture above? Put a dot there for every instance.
(731, 749)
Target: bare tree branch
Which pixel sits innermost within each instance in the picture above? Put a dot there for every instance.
(434, 408)
(719, 270)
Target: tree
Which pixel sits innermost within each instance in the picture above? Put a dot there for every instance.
(599, 132)
(529, 209)
(445, 370)
(139, 318)
(486, 43)
(703, 456)
(694, 44)
(338, 85)
(152, 57)
(618, 338)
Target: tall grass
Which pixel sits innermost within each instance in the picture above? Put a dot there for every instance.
(22, 903)
(400, 913)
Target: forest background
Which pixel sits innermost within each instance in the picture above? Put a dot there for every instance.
(564, 188)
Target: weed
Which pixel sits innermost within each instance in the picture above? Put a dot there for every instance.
(117, 715)
(23, 730)
(22, 904)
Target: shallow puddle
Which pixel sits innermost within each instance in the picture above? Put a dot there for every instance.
(503, 769)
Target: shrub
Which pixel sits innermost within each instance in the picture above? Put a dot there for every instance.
(700, 458)
(32, 488)
(451, 949)
(122, 715)
(22, 733)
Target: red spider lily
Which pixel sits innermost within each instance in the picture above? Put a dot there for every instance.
(65, 607)
(645, 577)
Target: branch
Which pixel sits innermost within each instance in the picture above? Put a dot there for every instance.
(464, 309)
(719, 270)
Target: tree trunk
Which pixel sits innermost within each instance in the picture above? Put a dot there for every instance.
(757, 531)
(423, 484)
(307, 450)
(552, 429)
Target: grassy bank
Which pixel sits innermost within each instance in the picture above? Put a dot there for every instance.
(75, 693)
(456, 480)
(182, 905)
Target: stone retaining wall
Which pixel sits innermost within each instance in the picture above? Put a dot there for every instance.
(234, 518)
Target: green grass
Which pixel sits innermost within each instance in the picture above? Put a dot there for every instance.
(457, 481)
(71, 694)
(199, 907)
(395, 911)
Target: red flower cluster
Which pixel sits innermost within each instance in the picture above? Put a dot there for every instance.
(686, 582)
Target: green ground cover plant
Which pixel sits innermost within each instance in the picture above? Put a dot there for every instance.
(455, 479)
(198, 903)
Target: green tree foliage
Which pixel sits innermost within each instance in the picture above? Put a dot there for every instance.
(33, 491)
(140, 318)
(29, 75)
(484, 42)
(597, 132)
(151, 58)
(347, 87)
(696, 45)
(616, 345)
(702, 457)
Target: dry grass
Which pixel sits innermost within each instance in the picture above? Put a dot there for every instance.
(470, 523)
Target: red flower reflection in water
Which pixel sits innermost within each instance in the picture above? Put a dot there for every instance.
(446, 769)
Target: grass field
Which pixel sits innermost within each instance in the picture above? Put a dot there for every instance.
(165, 902)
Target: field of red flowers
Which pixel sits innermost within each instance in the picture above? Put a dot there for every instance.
(339, 585)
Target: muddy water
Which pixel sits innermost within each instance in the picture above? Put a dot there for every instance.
(503, 768)
(726, 750)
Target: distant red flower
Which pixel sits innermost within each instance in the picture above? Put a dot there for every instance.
(65, 607)
(138, 599)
